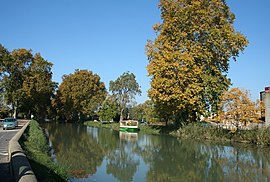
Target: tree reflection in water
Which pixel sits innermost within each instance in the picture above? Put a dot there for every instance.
(74, 149)
(87, 150)
(123, 162)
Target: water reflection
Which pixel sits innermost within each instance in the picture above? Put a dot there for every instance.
(128, 136)
(106, 155)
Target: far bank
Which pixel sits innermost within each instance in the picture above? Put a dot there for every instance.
(200, 131)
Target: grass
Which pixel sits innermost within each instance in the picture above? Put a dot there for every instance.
(114, 126)
(35, 144)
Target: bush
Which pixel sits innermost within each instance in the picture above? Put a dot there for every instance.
(256, 136)
(201, 132)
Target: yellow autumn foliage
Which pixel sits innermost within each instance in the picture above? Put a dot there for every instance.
(236, 106)
(189, 58)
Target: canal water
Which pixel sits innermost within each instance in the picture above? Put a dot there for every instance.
(99, 154)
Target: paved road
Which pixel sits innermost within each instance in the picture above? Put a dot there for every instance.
(5, 136)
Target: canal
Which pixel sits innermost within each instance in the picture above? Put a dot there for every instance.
(99, 154)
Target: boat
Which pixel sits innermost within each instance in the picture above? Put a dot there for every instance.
(129, 126)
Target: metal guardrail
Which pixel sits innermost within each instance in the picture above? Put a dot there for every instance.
(20, 167)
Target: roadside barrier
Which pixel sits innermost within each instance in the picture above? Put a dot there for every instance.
(19, 164)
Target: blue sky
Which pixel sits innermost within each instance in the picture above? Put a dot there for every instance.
(108, 37)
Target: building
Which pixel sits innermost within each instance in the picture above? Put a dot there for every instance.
(265, 97)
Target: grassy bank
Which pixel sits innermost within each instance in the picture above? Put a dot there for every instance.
(36, 146)
(198, 131)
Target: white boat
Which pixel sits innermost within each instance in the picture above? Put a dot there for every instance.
(129, 126)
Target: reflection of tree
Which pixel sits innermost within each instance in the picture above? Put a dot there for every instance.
(173, 160)
(120, 156)
(176, 161)
(108, 139)
(74, 149)
(122, 163)
(168, 159)
(240, 163)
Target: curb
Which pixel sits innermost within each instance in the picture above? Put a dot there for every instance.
(19, 164)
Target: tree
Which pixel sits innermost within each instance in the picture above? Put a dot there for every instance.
(236, 106)
(38, 88)
(26, 81)
(4, 57)
(153, 113)
(4, 109)
(124, 89)
(79, 95)
(145, 112)
(137, 112)
(15, 68)
(108, 110)
(189, 59)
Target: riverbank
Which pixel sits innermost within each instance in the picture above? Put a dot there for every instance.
(36, 147)
(197, 131)
(115, 126)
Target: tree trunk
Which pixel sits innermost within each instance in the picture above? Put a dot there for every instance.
(15, 112)
(29, 114)
(121, 115)
(15, 109)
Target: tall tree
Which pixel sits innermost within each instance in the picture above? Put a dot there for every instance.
(80, 94)
(124, 89)
(26, 81)
(38, 87)
(4, 58)
(16, 68)
(189, 59)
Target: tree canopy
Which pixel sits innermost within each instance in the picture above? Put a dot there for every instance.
(79, 95)
(38, 88)
(108, 110)
(189, 58)
(26, 81)
(124, 90)
(237, 106)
